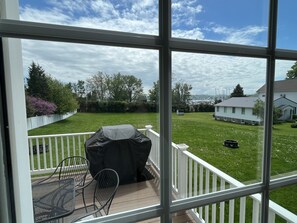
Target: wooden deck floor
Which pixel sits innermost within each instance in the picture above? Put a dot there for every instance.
(136, 195)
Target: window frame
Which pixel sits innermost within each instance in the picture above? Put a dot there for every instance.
(165, 44)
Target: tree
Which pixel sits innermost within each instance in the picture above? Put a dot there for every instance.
(292, 74)
(78, 89)
(37, 82)
(237, 92)
(133, 87)
(181, 93)
(259, 111)
(154, 92)
(116, 88)
(46, 91)
(62, 96)
(97, 86)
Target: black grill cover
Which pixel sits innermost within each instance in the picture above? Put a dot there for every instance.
(120, 147)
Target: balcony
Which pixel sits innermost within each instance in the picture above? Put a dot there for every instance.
(200, 178)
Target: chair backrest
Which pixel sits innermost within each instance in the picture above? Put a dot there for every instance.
(106, 187)
(75, 167)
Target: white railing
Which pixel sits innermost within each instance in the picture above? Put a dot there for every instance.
(57, 148)
(201, 177)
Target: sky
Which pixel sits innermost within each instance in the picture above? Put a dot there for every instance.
(229, 21)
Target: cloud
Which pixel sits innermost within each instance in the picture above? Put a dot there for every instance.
(213, 73)
(208, 74)
(246, 35)
(184, 13)
(70, 62)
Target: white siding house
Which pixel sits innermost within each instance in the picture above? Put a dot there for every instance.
(282, 89)
(237, 109)
(285, 97)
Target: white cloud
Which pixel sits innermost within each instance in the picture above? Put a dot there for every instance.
(69, 62)
(245, 35)
(212, 73)
(207, 74)
(195, 33)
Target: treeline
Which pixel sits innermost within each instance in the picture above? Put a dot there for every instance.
(119, 106)
(100, 93)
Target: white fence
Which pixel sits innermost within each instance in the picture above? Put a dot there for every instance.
(38, 121)
(200, 178)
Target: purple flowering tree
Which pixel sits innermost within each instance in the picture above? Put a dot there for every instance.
(36, 106)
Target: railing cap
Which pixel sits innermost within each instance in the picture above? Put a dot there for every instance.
(148, 127)
(182, 147)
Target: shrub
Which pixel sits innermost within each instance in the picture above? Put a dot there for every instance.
(37, 106)
(294, 125)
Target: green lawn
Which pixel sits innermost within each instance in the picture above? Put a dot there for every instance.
(205, 137)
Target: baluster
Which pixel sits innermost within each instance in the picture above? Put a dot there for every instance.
(190, 177)
(50, 151)
(201, 177)
(214, 206)
(68, 146)
(231, 211)
(222, 204)
(207, 191)
(256, 209)
(37, 153)
(62, 147)
(44, 154)
(242, 209)
(74, 146)
(195, 182)
(57, 154)
(271, 217)
(31, 154)
(79, 146)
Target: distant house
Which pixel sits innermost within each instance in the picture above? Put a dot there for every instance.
(237, 109)
(240, 109)
(285, 97)
(287, 106)
(282, 89)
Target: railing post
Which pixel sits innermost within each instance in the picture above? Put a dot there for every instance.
(152, 156)
(182, 170)
(148, 127)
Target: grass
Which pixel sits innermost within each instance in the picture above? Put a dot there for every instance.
(205, 137)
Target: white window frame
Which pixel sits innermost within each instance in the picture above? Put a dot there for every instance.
(165, 44)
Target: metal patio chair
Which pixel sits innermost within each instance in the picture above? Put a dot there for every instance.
(76, 167)
(106, 185)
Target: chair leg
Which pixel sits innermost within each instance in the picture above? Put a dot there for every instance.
(84, 201)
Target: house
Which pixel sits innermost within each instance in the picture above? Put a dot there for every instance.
(237, 109)
(240, 109)
(285, 97)
(282, 89)
(287, 106)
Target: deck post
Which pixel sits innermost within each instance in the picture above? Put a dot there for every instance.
(182, 170)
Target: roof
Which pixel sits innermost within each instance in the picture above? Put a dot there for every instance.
(242, 102)
(282, 86)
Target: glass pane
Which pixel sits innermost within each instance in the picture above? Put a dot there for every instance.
(128, 16)
(109, 87)
(244, 209)
(209, 92)
(239, 22)
(283, 204)
(286, 34)
(284, 154)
